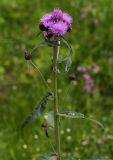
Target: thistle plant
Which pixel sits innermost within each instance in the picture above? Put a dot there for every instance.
(53, 26)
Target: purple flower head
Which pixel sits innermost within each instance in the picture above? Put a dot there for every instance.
(27, 55)
(56, 23)
(72, 76)
(81, 69)
(86, 77)
(89, 88)
(89, 83)
(95, 68)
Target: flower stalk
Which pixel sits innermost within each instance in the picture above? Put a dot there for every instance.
(56, 106)
(53, 25)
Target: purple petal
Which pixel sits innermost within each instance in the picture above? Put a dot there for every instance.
(67, 18)
(89, 89)
(86, 77)
(81, 69)
(57, 15)
(46, 17)
(59, 28)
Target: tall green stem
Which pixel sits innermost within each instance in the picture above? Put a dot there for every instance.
(55, 83)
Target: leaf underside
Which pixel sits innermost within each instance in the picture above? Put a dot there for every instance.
(50, 119)
(71, 114)
(69, 57)
(68, 64)
(77, 115)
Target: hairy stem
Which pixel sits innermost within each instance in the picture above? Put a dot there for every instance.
(55, 83)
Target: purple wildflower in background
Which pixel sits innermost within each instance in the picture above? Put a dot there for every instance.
(95, 68)
(86, 77)
(56, 23)
(72, 76)
(81, 69)
(27, 55)
(89, 88)
(89, 83)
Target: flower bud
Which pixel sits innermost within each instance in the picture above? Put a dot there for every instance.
(72, 76)
(27, 55)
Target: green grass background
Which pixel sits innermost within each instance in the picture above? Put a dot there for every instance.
(20, 89)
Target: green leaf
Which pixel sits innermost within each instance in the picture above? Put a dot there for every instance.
(71, 114)
(79, 115)
(50, 119)
(97, 122)
(72, 158)
(38, 34)
(38, 46)
(39, 109)
(48, 157)
(51, 44)
(68, 64)
(69, 59)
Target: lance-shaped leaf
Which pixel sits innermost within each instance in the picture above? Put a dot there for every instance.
(51, 44)
(38, 110)
(43, 43)
(69, 57)
(97, 122)
(38, 34)
(48, 157)
(79, 115)
(72, 158)
(68, 64)
(71, 114)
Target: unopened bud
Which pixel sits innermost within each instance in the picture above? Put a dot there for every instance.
(72, 76)
(27, 55)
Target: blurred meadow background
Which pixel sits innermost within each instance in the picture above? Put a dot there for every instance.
(21, 86)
